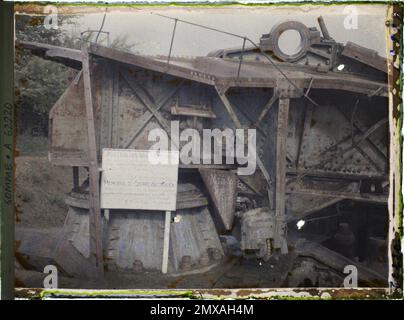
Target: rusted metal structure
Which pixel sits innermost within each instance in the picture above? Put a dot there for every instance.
(322, 142)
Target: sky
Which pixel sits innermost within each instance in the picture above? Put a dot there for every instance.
(151, 33)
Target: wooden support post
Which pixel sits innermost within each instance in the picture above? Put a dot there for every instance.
(280, 191)
(166, 246)
(96, 251)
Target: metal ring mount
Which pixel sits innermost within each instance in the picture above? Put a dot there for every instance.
(280, 28)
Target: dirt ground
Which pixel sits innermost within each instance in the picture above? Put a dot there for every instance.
(39, 192)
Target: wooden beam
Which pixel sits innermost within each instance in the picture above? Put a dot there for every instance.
(50, 50)
(299, 174)
(64, 53)
(115, 110)
(191, 111)
(148, 102)
(149, 63)
(147, 116)
(107, 106)
(280, 189)
(186, 71)
(251, 125)
(336, 261)
(367, 56)
(96, 251)
(267, 107)
(228, 106)
(66, 56)
(166, 246)
(361, 137)
(365, 197)
(361, 128)
(327, 202)
(141, 94)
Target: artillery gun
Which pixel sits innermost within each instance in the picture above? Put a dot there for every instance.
(320, 115)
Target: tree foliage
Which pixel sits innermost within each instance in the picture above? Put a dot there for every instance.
(39, 83)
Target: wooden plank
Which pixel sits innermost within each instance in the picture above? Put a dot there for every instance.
(367, 56)
(248, 117)
(192, 112)
(69, 158)
(337, 261)
(335, 81)
(280, 189)
(106, 107)
(146, 117)
(7, 149)
(96, 252)
(166, 246)
(267, 107)
(64, 53)
(299, 174)
(355, 142)
(149, 63)
(342, 195)
(145, 98)
(116, 108)
(229, 108)
(377, 146)
(51, 51)
(325, 202)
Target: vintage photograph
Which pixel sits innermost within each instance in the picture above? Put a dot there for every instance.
(203, 147)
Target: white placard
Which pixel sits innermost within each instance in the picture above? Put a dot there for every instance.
(131, 181)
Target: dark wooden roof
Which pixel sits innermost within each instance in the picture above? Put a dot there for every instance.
(217, 71)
